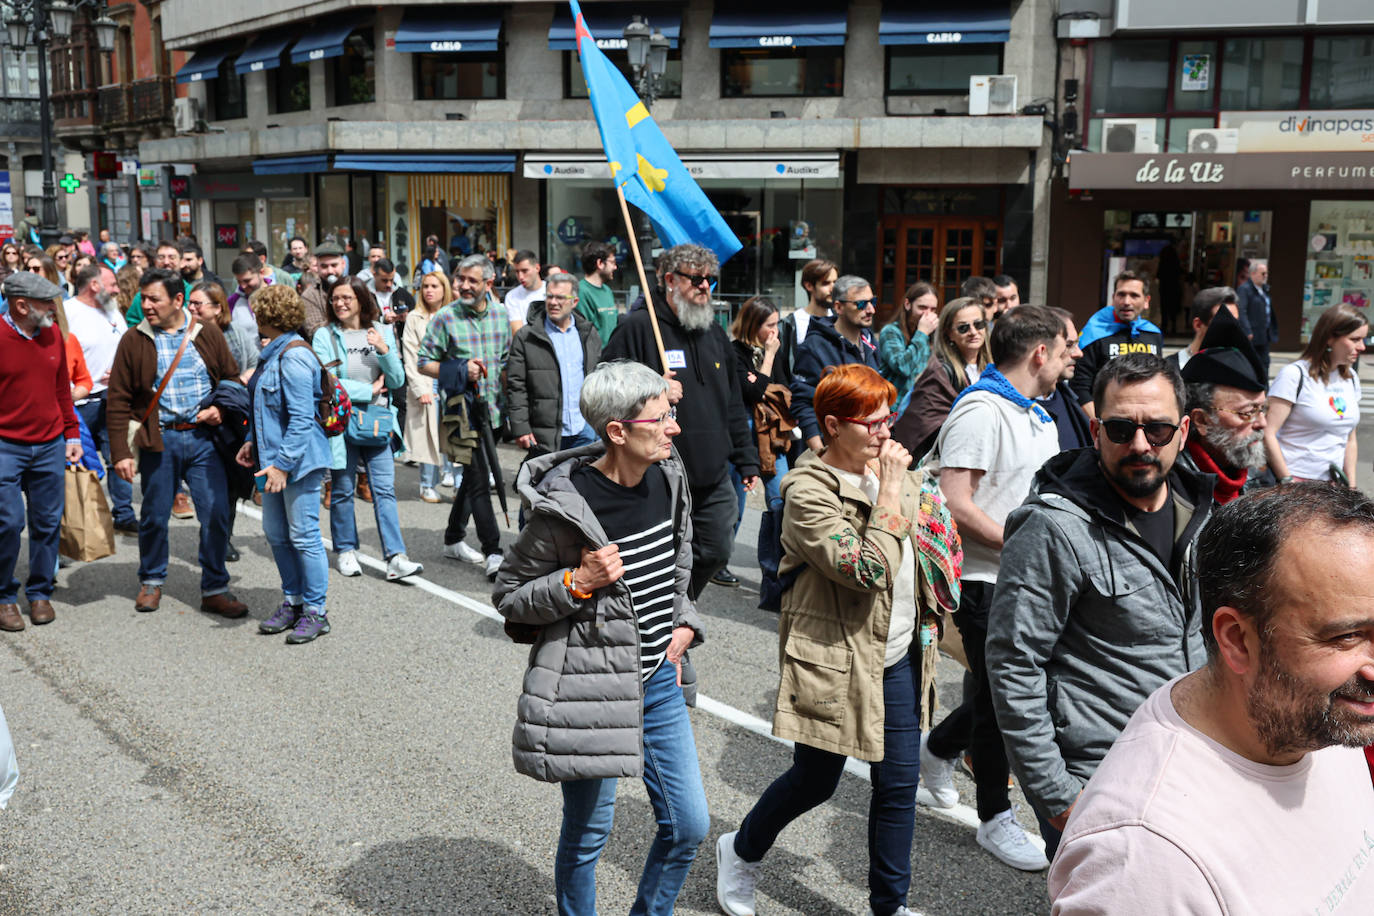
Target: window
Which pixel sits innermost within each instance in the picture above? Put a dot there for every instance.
(1342, 72)
(460, 76)
(1130, 76)
(670, 85)
(1195, 75)
(21, 73)
(227, 99)
(353, 74)
(1261, 73)
(781, 71)
(939, 69)
(288, 88)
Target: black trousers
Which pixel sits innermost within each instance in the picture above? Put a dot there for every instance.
(714, 510)
(473, 499)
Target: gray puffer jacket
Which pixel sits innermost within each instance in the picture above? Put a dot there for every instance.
(1086, 621)
(581, 711)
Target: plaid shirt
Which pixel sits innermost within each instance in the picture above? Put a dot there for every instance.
(459, 333)
(189, 385)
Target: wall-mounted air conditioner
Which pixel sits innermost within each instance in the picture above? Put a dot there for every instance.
(185, 115)
(1129, 135)
(991, 95)
(1214, 140)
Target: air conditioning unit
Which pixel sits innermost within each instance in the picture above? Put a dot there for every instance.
(990, 95)
(1129, 135)
(185, 115)
(1214, 140)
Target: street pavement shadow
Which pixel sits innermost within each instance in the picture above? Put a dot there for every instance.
(450, 875)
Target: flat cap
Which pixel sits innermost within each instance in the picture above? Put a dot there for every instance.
(66, 240)
(26, 285)
(328, 249)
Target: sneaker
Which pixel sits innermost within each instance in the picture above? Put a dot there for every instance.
(900, 911)
(429, 495)
(494, 565)
(400, 566)
(735, 878)
(448, 480)
(461, 551)
(1006, 840)
(937, 775)
(308, 626)
(283, 618)
(348, 564)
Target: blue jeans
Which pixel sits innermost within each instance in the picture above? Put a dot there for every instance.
(381, 475)
(814, 775)
(1048, 833)
(431, 474)
(586, 437)
(187, 455)
(291, 522)
(673, 780)
(121, 491)
(34, 472)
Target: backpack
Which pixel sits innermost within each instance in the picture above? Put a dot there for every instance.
(333, 409)
(772, 585)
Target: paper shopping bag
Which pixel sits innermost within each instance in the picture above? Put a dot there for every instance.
(87, 527)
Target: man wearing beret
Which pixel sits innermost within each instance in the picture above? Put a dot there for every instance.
(333, 264)
(38, 437)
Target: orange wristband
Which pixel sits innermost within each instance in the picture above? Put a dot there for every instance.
(572, 589)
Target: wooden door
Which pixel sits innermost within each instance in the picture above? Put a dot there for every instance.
(942, 251)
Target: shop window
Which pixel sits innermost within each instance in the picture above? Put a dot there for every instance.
(1130, 76)
(289, 88)
(939, 69)
(749, 72)
(1340, 259)
(227, 98)
(670, 85)
(353, 74)
(1195, 75)
(1261, 73)
(1342, 72)
(331, 201)
(460, 76)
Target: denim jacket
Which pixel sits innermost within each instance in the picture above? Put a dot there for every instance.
(328, 343)
(285, 392)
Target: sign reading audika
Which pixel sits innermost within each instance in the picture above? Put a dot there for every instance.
(1226, 171)
(752, 168)
(1301, 131)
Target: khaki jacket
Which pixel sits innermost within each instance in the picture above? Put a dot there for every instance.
(833, 628)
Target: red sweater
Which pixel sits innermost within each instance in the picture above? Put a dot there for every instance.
(35, 394)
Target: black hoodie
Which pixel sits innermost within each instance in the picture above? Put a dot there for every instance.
(715, 425)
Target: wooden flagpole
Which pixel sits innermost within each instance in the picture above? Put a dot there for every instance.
(643, 282)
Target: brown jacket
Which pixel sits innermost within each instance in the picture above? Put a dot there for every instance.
(932, 396)
(316, 310)
(833, 629)
(134, 378)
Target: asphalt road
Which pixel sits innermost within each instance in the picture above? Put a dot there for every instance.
(177, 762)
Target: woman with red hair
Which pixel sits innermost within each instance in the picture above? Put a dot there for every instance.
(874, 560)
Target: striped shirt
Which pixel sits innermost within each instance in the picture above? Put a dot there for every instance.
(639, 520)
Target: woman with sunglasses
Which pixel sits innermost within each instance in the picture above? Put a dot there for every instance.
(960, 352)
(61, 256)
(11, 259)
(856, 626)
(904, 342)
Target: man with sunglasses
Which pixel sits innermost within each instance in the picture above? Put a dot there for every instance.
(1097, 602)
(845, 338)
(1116, 330)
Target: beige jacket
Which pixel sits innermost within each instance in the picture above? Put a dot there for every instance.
(422, 422)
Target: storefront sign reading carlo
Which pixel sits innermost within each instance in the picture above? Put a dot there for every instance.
(1267, 171)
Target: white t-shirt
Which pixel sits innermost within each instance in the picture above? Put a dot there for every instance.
(518, 302)
(1173, 822)
(1324, 414)
(98, 332)
(803, 319)
(987, 432)
(902, 625)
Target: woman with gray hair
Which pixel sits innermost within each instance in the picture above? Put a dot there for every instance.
(609, 682)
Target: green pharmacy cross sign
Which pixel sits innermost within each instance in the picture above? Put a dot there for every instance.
(69, 183)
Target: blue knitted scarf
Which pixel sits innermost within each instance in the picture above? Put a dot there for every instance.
(992, 380)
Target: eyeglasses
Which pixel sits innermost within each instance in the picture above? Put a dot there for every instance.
(861, 304)
(1121, 431)
(965, 327)
(35, 268)
(200, 303)
(1248, 414)
(873, 425)
(559, 300)
(698, 279)
(660, 420)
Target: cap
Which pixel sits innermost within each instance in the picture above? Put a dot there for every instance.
(66, 240)
(26, 285)
(1226, 357)
(328, 249)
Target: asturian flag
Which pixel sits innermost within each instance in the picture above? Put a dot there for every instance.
(642, 161)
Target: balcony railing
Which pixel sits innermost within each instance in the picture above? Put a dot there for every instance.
(112, 105)
(150, 100)
(19, 119)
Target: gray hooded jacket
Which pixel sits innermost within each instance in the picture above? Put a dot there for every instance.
(1086, 621)
(581, 710)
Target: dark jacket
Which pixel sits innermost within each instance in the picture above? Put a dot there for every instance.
(824, 346)
(1105, 349)
(715, 425)
(1262, 329)
(1087, 621)
(932, 396)
(753, 391)
(231, 397)
(534, 384)
(1075, 429)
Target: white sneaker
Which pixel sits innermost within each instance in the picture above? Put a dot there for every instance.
(494, 565)
(900, 911)
(461, 551)
(1006, 840)
(400, 566)
(448, 480)
(735, 878)
(348, 564)
(429, 495)
(937, 775)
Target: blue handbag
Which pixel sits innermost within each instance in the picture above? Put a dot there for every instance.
(369, 424)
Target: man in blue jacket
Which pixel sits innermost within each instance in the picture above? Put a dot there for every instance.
(1256, 313)
(845, 338)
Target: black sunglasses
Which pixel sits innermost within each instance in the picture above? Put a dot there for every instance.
(861, 304)
(1121, 431)
(980, 324)
(698, 279)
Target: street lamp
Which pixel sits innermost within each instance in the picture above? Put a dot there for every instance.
(648, 53)
(42, 22)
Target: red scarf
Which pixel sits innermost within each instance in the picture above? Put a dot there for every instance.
(1228, 487)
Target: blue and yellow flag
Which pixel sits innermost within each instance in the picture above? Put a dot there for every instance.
(642, 161)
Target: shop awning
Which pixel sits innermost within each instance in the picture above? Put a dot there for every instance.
(324, 40)
(203, 64)
(607, 21)
(265, 52)
(291, 165)
(778, 27)
(968, 22)
(448, 29)
(437, 162)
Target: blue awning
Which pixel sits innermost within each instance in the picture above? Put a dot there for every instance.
(781, 27)
(265, 52)
(291, 165)
(203, 65)
(325, 40)
(426, 30)
(607, 21)
(437, 162)
(969, 22)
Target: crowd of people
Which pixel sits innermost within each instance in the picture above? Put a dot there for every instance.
(1114, 544)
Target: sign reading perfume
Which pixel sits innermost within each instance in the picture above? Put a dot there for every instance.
(1223, 171)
